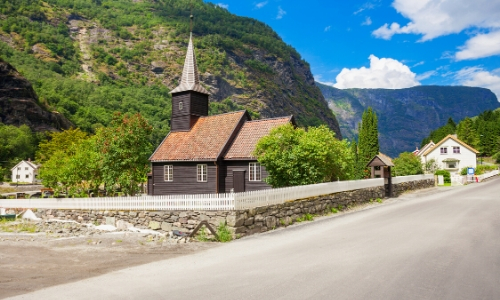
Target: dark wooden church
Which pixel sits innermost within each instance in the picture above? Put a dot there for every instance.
(207, 154)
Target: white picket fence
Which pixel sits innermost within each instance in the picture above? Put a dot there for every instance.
(168, 202)
(230, 201)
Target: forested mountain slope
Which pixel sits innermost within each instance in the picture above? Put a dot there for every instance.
(89, 58)
(19, 104)
(406, 116)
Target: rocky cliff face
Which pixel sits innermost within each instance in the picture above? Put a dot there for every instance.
(289, 90)
(406, 116)
(19, 104)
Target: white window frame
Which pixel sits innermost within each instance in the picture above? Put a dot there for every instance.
(443, 150)
(254, 171)
(457, 148)
(168, 173)
(201, 173)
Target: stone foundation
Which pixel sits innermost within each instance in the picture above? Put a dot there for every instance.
(241, 222)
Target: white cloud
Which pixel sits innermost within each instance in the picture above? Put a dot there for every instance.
(327, 28)
(368, 21)
(418, 64)
(477, 76)
(383, 73)
(366, 6)
(482, 45)
(434, 18)
(261, 4)
(281, 13)
(425, 75)
(226, 6)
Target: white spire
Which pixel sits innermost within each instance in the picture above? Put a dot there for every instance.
(190, 78)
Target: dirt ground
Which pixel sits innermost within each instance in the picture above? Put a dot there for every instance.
(30, 262)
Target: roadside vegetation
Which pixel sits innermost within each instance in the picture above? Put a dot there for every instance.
(481, 132)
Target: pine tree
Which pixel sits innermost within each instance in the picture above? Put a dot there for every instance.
(368, 144)
(467, 133)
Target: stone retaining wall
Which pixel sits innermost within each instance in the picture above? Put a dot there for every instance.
(242, 222)
(400, 188)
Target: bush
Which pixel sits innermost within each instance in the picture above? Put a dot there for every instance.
(481, 169)
(446, 175)
(496, 157)
(224, 233)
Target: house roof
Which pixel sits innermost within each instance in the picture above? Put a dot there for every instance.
(380, 160)
(29, 163)
(425, 148)
(251, 132)
(190, 79)
(453, 137)
(204, 142)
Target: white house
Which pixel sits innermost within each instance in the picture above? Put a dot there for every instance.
(450, 154)
(25, 171)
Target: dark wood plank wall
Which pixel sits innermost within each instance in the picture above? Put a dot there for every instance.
(181, 119)
(185, 181)
(227, 176)
(199, 104)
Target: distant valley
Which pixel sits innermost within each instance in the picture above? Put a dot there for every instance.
(406, 116)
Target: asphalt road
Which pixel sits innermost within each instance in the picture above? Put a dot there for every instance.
(443, 244)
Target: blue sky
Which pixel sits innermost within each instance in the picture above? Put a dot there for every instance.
(388, 44)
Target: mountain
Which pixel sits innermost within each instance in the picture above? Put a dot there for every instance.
(406, 116)
(19, 104)
(87, 59)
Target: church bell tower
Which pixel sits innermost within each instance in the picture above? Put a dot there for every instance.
(190, 98)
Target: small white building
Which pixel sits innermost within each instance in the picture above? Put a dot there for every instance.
(25, 171)
(450, 154)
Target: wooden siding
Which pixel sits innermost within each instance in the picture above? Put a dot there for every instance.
(185, 181)
(180, 123)
(227, 176)
(199, 104)
(194, 105)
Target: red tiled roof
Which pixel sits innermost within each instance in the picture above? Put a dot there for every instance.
(204, 141)
(244, 144)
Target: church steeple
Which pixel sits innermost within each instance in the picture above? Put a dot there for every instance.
(190, 98)
(190, 78)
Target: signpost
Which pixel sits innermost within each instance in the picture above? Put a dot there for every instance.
(470, 174)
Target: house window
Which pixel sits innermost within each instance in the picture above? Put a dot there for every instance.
(27, 176)
(18, 176)
(26, 168)
(444, 150)
(202, 173)
(180, 105)
(254, 173)
(452, 165)
(19, 168)
(456, 150)
(168, 173)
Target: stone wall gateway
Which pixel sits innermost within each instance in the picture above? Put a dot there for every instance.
(241, 222)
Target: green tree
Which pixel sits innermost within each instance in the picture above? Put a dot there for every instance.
(467, 133)
(63, 168)
(294, 156)
(16, 144)
(125, 148)
(407, 164)
(368, 144)
(64, 142)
